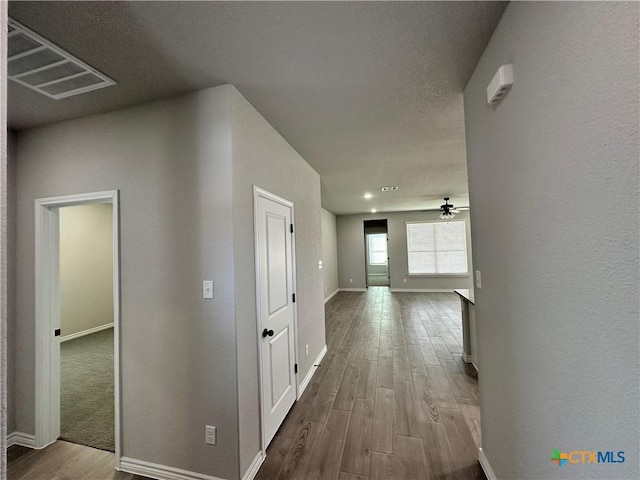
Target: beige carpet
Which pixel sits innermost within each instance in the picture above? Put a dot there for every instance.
(86, 390)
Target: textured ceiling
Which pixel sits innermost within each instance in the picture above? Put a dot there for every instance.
(369, 93)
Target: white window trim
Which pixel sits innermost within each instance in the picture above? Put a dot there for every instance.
(438, 275)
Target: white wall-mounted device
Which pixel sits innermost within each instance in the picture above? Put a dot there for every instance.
(500, 84)
(207, 289)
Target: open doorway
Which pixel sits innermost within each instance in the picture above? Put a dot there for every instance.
(78, 320)
(376, 254)
(86, 325)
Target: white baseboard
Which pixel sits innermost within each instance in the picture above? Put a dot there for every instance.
(469, 359)
(22, 439)
(86, 332)
(423, 290)
(332, 295)
(486, 468)
(254, 467)
(352, 289)
(160, 472)
(312, 370)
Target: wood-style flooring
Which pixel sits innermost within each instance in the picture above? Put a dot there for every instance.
(392, 399)
(63, 461)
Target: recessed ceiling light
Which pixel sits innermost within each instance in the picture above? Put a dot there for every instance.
(373, 210)
(367, 195)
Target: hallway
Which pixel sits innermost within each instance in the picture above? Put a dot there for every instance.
(392, 399)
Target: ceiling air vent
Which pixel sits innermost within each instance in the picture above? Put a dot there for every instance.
(40, 65)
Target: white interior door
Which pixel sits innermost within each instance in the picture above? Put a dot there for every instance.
(276, 309)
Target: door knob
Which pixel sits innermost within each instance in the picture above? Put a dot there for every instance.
(267, 333)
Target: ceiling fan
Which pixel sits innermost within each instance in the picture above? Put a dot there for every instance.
(448, 210)
(451, 208)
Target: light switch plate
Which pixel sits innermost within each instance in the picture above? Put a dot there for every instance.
(478, 279)
(207, 289)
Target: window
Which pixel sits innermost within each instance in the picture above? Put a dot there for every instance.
(437, 248)
(377, 244)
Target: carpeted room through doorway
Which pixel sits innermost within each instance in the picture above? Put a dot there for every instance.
(86, 390)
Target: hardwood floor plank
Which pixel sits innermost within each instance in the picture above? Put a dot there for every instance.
(105, 470)
(373, 349)
(386, 346)
(64, 461)
(410, 460)
(326, 459)
(452, 344)
(441, 349)
(276, 454)
(296, 417)
(49, 462)
(408, 418)
(432, 330)
(328, 389)
(440, 388)
(16, 452)
(416, 362)
(429, 354)
(382, 467)
(384, 377)
(350, 476)
(355, 456)
(425, 401)
(437, 451)
(383, 421)
(463, 448)
(471, 414)
(461, 385)
(347, 391)
(400, 365)
(19, 457)
(301, 452)
(385, 326)
(421, 333)
(367, 382)
(398, 337)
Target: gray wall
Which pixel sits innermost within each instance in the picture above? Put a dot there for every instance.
(351, 252)
(11, 277)
(557, 315)
(171, 161)
(329, 253)
(86, 267)
(262, 157)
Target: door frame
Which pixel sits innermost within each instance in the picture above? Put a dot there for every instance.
(47, 312)
(366, 248)
(257, 193)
